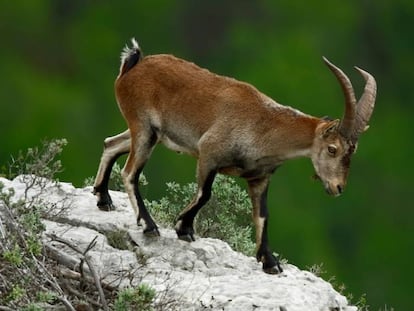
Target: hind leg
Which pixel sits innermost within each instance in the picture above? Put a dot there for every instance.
(143, 140)
(114, 147)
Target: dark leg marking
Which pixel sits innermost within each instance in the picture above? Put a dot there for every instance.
(151, 228)
(105, 202)
(271, 263)
(185, 222)
(114, 147)
(258, 194)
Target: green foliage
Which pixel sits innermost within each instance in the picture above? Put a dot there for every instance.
(362, 303)
(20, 245)
(15, 294)
(317, 270)
(32, 307)
(25, 233)
(26, 230)
(42, 299)
(118, 239)
(57, 79)
(13, 255)
(116, 182)
(88, 181)
(48, 296)
(227, 215)
(138, 298)
(21, 227)
(38, 161)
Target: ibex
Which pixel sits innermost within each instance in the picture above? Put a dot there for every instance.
(231, 128)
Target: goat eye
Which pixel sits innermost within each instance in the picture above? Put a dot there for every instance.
(332, 149)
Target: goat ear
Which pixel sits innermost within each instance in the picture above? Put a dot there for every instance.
(330, 127)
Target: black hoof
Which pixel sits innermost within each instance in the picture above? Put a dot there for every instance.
(151, 232)
(185, 230)
(273, 270)
(186, 233)
(107, 207)
(186, 237)
(272, 265)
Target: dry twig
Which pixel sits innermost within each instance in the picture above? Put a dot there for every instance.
(87, 259)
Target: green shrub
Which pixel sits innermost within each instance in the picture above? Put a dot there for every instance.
(116, 182)
(13, 255)
(40, 161)
(138, 298)
(226, 216)
(22, 259)
(21, 248)
(15, 294)
(32, 307)
(118, 239)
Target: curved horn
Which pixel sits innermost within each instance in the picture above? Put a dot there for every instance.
(365, 105)
(348, 120)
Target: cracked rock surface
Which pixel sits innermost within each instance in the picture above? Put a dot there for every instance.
(203, 275)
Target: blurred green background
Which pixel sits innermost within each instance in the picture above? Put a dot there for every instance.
(58, 61)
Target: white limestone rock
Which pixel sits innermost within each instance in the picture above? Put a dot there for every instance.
(205, 274)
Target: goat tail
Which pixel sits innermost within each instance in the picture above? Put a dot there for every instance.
(130, 56)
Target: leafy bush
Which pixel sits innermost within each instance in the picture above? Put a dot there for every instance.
(24, 275)
(38, 161)
(29, 279)
(116, 182)
(118, 239)
(226, 216)
(138, 298)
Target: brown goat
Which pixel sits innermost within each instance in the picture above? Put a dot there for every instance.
(231, 128)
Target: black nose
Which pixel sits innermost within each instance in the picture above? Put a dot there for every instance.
(340, 189)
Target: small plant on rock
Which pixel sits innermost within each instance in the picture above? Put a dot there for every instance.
(116, 182)
(25, 271)
(40, 161)
(30, 278)
(138, 298)
(216, 219)
(118, 239)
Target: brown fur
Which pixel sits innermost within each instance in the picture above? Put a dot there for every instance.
(165, 92)
(228, 125)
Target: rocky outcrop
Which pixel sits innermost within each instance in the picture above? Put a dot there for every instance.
(204, 275)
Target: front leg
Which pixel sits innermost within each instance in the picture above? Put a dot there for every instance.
(185, 222)
(258, 194)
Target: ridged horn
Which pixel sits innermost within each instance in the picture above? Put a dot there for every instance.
(365, 105)
(348, 120)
